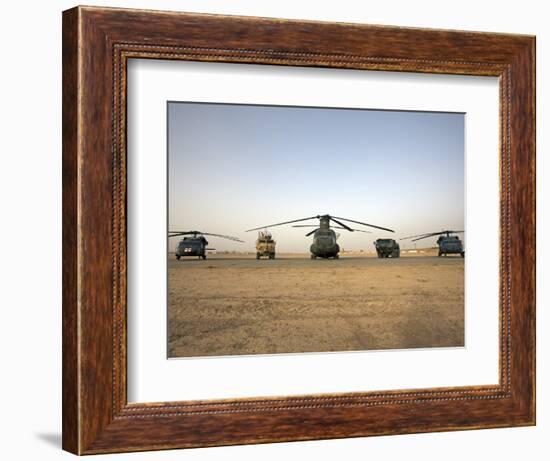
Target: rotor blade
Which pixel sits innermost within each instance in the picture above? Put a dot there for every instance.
(332, 227)
(341, 223)
(431, 234)
(281, 223)
(425, 237)
(419, 235)
(312, 232)
(363, 223)
(179, 234)
(448, 232)
(354, 230)
(228, 237)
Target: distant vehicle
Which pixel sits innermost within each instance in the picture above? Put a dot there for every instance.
(196, 243)
(265, 245)
(324, 238)
(448, 244)
(387, 248)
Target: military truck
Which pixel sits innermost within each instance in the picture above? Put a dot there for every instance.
(265, 245)
(387, 248)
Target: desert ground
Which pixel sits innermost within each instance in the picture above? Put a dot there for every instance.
(237, 305)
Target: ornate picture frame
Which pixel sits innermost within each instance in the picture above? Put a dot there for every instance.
(97, 44)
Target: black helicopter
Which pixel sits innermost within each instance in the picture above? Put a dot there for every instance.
(324, 238)
(195, 244)
(448, 244)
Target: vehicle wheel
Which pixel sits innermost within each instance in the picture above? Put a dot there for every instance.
(257, 255)
(439, 254)
(272, 256)
(203, 257)
(336, 256)
(313, 257)
(178, 257)
(462, 254)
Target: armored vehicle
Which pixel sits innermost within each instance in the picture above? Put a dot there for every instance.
(265, 245)
(324, 238)
(448, 244)
(194, 243)
(387, 248)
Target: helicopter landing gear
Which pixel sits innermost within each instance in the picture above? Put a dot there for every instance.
(178, 257)
(313, 257)
(203, 257)
(336, 256)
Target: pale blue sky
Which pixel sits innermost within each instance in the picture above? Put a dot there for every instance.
(235, 167)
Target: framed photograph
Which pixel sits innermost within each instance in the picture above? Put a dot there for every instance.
(281, 230)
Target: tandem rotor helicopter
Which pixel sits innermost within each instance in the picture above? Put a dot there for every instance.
(195, 244)
(448, 244)
(324, 238)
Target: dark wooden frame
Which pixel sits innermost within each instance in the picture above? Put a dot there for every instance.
(97, 43)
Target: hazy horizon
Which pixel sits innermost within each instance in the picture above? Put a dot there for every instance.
(235, 167)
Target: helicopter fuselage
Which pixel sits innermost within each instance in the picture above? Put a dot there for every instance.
(450, 245)
(324, 244)
(191, 246)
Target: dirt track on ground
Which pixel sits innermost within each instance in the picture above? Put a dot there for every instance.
(235, 305)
